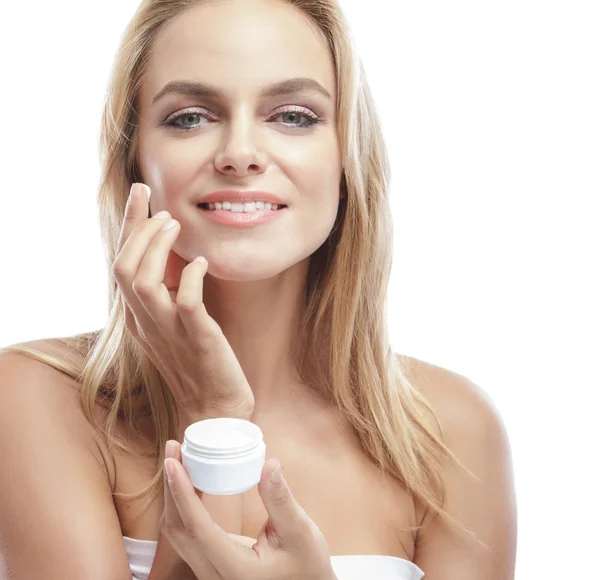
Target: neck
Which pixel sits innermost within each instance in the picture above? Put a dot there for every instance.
(259, 319)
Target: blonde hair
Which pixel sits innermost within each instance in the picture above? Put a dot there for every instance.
(342, 349)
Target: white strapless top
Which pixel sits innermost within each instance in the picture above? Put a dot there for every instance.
(352, 567)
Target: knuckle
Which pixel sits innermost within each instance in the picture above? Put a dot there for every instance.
(208, 335)
(194, 531)
(119, 271)
(130, 214)
(283, 497)
(169, 528)
(186, 307)
(142, 288)
(195, 308)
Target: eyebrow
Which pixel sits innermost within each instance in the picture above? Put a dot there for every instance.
(196, 89)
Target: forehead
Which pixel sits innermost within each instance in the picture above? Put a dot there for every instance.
(239, 45)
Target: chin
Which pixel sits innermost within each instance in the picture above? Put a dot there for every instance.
(243, 270)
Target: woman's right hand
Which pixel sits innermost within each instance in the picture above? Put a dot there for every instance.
(185, 344)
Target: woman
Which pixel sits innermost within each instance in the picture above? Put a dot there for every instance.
(394, 468)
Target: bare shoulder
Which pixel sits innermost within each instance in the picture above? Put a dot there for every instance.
(57, 347)
(456, 399)
(29, 379)
(56, 478)
(473, 429)
(37, 374)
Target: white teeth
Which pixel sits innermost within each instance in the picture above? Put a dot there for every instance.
(239, 207)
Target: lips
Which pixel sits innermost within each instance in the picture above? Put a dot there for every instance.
(243, 219)
(238, 196)
(206, 207)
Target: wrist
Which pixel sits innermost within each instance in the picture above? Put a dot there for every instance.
(185, 419)
(168, 565)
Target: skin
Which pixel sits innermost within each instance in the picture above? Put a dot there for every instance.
(256, 276)
(241, 47)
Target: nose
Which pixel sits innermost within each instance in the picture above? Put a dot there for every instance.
(239, 154)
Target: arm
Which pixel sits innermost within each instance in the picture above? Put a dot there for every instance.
(57, 517)
(167, 564)
(475, 433)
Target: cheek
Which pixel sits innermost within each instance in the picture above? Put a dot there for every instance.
(166, 165)
(318, 184)
(315, 169)
(317, 191)
(151, 159)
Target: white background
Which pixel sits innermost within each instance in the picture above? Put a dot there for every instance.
(491, 112)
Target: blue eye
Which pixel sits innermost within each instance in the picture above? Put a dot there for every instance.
(311, 119)
(309, 123)
(172, 122)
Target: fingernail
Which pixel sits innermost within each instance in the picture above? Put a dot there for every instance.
(170, 469)
(147, 189)
(276, 475)
(169, 225)
(162, 215)
(170, 449)
(134, 191)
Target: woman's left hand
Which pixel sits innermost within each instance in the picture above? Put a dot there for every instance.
(289, 545)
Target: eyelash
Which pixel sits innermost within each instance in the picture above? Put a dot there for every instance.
(313, 120)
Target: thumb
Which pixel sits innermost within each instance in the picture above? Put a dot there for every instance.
(286, 516)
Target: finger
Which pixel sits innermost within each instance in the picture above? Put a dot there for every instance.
(174, 528)
(173, 449)
(243, 540)
(136, 211)
(190, 301)
(288, 518)
(224, 553)
(171, 519)
(148, 284)
(136, 235)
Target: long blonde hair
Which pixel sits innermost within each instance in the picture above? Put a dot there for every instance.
(342, 349)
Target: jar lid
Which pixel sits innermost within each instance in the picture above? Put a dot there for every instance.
(222, 437)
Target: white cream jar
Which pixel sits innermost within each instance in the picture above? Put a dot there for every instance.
(223, 456)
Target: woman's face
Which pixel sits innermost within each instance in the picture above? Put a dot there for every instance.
(241, 137)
